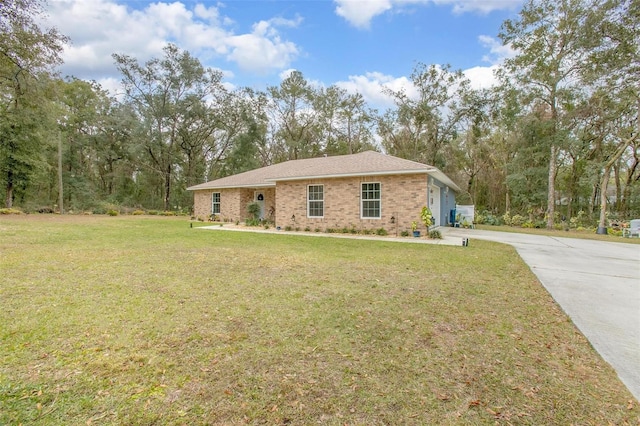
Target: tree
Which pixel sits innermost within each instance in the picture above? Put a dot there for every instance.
(295, 120)
(166, 93)
(423, 125)
(28, 55)
(549, 38)
(614, 71)
(344, 121)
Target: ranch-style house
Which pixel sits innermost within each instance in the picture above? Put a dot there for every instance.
(368, 190)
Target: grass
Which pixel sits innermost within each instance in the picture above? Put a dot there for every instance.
(572, 233)
(144, 321)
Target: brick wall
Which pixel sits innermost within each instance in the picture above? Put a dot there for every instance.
(402, 198)
(233, 202)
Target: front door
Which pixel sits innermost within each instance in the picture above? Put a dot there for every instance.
(434, 203)
(259, 198)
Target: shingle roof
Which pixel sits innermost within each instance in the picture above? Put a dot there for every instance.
(368, 163)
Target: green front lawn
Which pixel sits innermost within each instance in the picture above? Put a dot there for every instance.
(146, 321)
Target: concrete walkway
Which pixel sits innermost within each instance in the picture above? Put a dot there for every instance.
(596, 283)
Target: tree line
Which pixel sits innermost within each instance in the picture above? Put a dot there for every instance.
(558, 134)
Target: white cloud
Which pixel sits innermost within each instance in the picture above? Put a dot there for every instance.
(359, 13)
(480, 6)
(497, 51)
(371, 86)
(99, 28)
(482, 77)
(263, 49)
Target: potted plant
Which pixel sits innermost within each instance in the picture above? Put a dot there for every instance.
(426, 216)
(414, 228)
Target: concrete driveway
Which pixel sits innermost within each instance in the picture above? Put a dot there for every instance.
(597, 284)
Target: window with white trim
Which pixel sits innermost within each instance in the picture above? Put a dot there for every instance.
(215, 203)
(370, 200)
(315, 201)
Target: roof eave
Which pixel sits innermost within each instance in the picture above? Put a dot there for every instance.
(438, 174)
(252, 185)
(348, 175)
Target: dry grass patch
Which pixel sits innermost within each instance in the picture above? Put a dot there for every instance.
(145, 321)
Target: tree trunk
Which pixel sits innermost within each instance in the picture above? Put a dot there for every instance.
(617, 180)
(167, 188)
(60, 193)
(551, 196)
(602, 228)
(9, 198)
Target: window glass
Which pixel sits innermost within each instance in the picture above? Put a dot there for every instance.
(315, 201)
(215, 203)
(370, 200)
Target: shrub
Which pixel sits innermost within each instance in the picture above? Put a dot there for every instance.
(316, 230)
(253, 209)
(435, 235)
(307, 229)
(10, 211)
(288, 228)
(404, 234)
(252, 222)
(137, 212)
(506, 218)
(517, 220)
(487, 218)
(381, 232)
(113, 212)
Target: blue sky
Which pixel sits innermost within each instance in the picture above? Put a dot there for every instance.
(360, 45)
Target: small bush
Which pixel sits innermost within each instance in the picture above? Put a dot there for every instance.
(330, 231)
(288, 228)
(381, 232)
(113, 213)
(153, 212)
(487, 218)
(404, 234)
(435, 235)
(137, 212)
(517, 220)
(253, 209)
(168, 213)
(316, 230)
(10, 211)
(307, 229)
